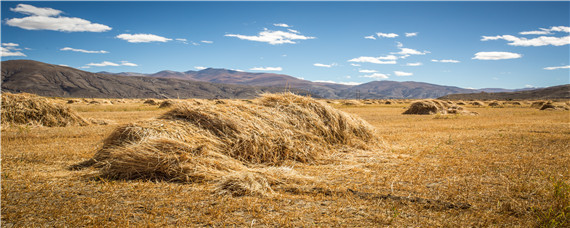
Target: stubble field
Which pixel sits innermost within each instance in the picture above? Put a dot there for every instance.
(506, 166)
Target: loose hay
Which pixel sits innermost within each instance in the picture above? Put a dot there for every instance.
(150, 102)
(429, 107)
(193, 143)
(167, 104)
(31, 109)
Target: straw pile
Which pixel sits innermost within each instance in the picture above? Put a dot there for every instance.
(194, 143)
(429, 107)
(31, 109)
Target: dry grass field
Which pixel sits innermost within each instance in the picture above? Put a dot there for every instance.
(506, 166)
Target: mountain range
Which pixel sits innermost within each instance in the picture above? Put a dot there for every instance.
(55, 80)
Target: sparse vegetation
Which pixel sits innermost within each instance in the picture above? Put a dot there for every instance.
(503, 167)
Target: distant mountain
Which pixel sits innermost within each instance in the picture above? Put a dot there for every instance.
(554, 92)
(398, 90)
(54, 80)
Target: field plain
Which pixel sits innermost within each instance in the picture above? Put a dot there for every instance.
(506, 166)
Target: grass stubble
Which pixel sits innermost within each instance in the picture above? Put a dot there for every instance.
(509, 164)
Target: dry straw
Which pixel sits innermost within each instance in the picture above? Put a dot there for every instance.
(206, 142)
(429, 107)
(31, 109)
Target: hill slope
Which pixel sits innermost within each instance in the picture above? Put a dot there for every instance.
(397, 90)
(554, 92)
(53, 80)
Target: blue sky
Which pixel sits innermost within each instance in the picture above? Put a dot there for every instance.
(465, 44)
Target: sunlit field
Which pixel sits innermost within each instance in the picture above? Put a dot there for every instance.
(506, 166)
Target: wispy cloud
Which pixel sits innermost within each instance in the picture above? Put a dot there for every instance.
(524, 42)
(496, 55)
(354, 64)
(445, 61)
(282, 25)
(199, 68)
(387, 35)
(273, 37)
(10, 49)
(293, 30)
(371, 37)
(324, 65)
(375, 75)
(207, 41)
(83, 51)
(267, 68)
(543, 31)
(405, 52)
(414, 64)
(107, 63)
(402, 73)
(367, 71)
(50, 19)
(142, 38)
(557, 67)
(376, 60)
(410, 34)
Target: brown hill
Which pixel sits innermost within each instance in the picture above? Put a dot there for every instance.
(554, 92)
(54, 80)
(399, 90)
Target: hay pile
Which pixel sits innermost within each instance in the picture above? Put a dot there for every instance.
(167, 104)
(194, 143)
(31, 109)
(429, 107)
(551, 107)
(150, 102)
(495, 104)
(537, 104)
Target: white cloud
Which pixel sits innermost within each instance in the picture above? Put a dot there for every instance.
(539, 41)
(544, 31)
(127, 63)
(184, 41)
(83, 51)
(354, 64)
(342, 83)
(445, 61)
(367, 71)
(496, 55)
(6, 52)
(399, 44)
(376, 60)
(10, 45)
(49, 19)
(371, 37)
(32, 10)
(324, 65)
(282, 25)
(107, 63)
(199, 68)
(375, 75)
(142, 38)
(387, 35)
(267, 68)
(529, 86)
(273, 37)
(207, 42)
(414, 64)
(292, 30)
(402, 73)
(408, 51)
(237, 70)
(557, 67)
(410, 34)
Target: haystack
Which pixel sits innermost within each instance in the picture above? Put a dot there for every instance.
(429, 107)
(207, 142)
(477, 103)
(494, 104)
(31, 109)
(537, 104)
(550, 106)
(150, 102)
(167, 104)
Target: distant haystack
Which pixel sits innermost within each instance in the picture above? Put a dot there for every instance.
(73, 101)
(477, 103)
(150, 102)
(429, 107)
(94, 102)
(35, 110)
(388, 102)
(551, 107)
(537, 104)
(167, 104)
(195, 143)
(460, 103)
(495, 104)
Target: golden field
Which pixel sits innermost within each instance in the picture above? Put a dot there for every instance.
(507, 166)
